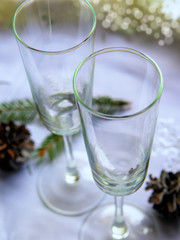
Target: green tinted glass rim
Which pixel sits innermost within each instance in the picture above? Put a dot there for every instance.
(118, 49)
(25, 3)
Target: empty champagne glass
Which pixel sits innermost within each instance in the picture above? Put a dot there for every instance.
(53, 37)
(118, 142)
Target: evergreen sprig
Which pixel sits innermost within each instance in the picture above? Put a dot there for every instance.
(108, 105)
(22, 110)
(50, 148)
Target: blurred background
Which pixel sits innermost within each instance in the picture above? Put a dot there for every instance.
(151, 26)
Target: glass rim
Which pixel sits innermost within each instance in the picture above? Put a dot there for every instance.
(22, 5)
(118, 49)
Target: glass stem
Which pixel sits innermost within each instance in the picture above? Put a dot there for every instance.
(72, 174)
(119, 229)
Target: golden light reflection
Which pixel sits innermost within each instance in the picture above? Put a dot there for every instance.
(157, 18)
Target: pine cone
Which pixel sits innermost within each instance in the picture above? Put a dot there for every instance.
(166, 193)
(15, 146)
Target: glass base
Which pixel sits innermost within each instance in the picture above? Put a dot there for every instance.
(69, 199)
(98, 224)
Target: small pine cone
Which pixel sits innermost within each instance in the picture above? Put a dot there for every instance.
(166, 193)
(15, 146)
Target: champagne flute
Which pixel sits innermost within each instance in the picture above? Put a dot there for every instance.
(118, 142)
(53, 37)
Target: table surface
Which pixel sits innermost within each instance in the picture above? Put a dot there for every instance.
(22, 215)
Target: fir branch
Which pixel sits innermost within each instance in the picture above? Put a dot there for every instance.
(22, 110)
(51, 147)
(108, 105)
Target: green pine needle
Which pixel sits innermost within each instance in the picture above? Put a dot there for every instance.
(22, 110)
(50, 148)
(108, 105)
